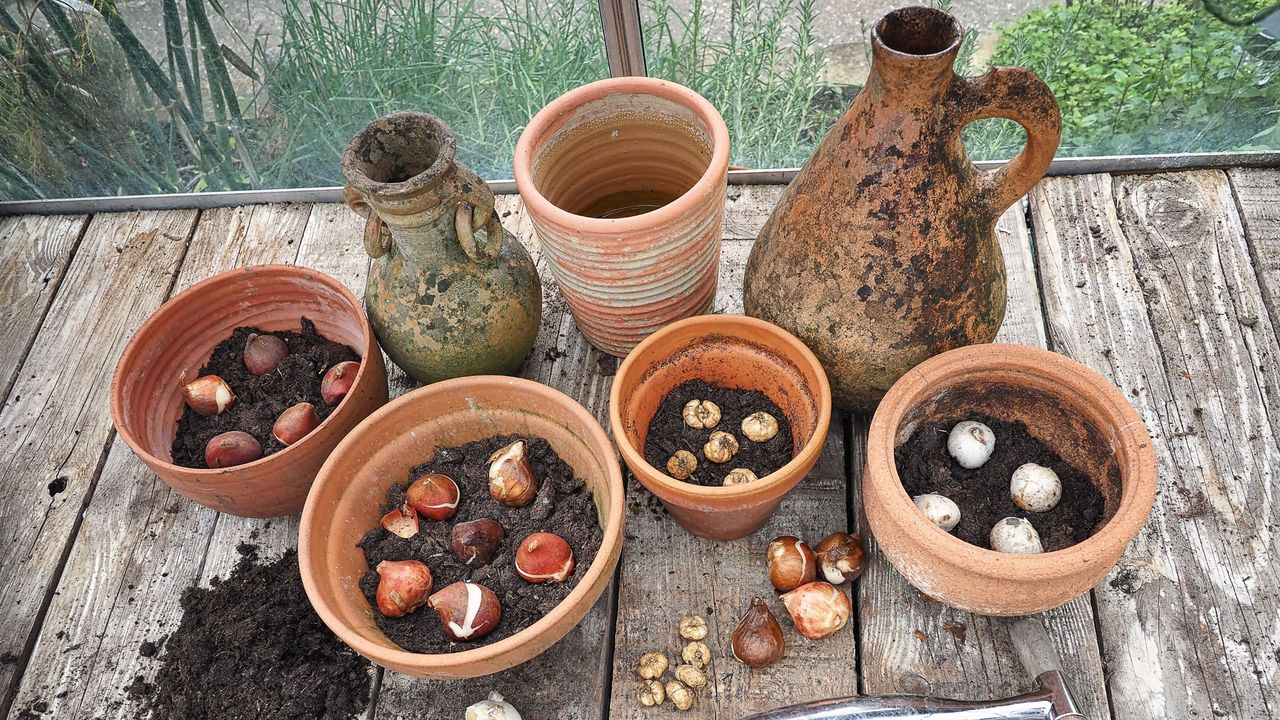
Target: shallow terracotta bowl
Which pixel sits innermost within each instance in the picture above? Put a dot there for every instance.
(1066, 406)
(348, 496)
(732, 351)
(176, 341)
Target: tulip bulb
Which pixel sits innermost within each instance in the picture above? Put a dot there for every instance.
(757, 641)
(295, 423)
(476, 542)
(467, 610)
(338, 380)
(262, 353)
(434, 495)
(544, 557)
(232, 448)
(208, 395)
(511, 478)
(818, 609)
(403, 586)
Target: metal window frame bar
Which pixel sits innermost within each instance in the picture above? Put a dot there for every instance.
(623, 40)
(1120, 164)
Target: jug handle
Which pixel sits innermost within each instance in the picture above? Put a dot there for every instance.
(1019, 95)
(377, 238)
(476, 224)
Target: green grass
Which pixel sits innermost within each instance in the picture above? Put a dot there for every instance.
(343, 64)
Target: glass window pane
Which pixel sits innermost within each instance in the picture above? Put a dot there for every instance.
(194, 95)
(1131, 77)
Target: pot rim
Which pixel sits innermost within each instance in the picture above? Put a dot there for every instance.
(762, 489)
(571, 101)
(606, 555)
(878, 42)
(1138, 477)
(446, 156)
(159, 318)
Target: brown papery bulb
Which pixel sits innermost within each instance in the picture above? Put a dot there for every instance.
(476, 542)
(467, 610)
(295, 423)
(338, 380)
(434, 495)
(401, 522)
(758, 641)
(208, 395)
(262, 353)
(817, 609)
(403, 586)
(544, 557)
(841, 557)
(791, 563)
(232, 448)
(511, 479)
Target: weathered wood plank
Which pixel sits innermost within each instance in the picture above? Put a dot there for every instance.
(141, 544)
(916, 645)
(56, 425)
(34, 253)
(1258, 195)
(567, 681)
(1147, 279)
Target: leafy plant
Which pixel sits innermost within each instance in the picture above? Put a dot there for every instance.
(1133, 77)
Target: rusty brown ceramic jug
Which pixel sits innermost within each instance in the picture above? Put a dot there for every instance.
(882, 252)
(450, 293)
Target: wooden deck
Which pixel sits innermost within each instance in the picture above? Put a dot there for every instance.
(1167, 284)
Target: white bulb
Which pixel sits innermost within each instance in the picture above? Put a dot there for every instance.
(495, 708)
(971, 443)
(1035, 488)
(1015, 536)
(940, 510)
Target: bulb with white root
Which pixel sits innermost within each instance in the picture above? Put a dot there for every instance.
(495, 708)
(1015, 536)
(1035, 488)
(940, 510)
(971, 444)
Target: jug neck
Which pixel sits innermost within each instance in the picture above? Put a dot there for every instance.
(913, 53)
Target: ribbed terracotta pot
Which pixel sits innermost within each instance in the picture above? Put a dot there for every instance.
(1066, 406)
(733, 351)
(146, 399)
(348, 496)
(624, 180)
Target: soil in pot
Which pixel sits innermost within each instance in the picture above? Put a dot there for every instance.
(260, 398)
(250, 646)
(562, 506)
(669, 433)
(982, 494)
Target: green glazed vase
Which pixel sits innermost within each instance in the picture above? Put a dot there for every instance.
(451, 292)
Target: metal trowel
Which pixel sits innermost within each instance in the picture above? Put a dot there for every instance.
(1050, 701)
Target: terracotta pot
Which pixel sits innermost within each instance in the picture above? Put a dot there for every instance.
(882, 251)
(732, 351)
(146, 400)
(1066, 406)
(624, 180)
(450, 291)
(351, 489)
